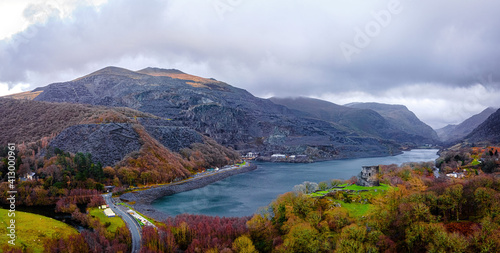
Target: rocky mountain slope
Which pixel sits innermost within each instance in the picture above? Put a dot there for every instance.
(114, 136)
(364, 120)
(453, 133)
(488, 131)
(107, 143)
(28, 121)
(400, 117)
(187, 107)
(231, 116)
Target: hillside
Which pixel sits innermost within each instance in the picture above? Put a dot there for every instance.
(27, 121)
(33, 231)
(488, 131)
(364, 120)
(124, 138)
(399, 116)
(231, 116)
(453, 133)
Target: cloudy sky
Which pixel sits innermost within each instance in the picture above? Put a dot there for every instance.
(439, 58)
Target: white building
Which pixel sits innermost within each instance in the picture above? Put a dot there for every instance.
(108, 212)
(455, 175)
(278, 156)
(140, 218)
(251, 155)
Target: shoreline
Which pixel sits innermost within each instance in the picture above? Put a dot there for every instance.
(143, 199)
(268, 159)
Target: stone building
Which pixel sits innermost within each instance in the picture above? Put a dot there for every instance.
(368, 176)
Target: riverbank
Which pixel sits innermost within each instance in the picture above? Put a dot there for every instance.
(306, 159)
(142, 199)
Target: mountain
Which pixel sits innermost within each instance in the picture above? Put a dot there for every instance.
(231, 116)
(488, 131)
(365, 121)
(444, 132)
(112, 135)
(29, 121)
(453, 133)
(401, 118)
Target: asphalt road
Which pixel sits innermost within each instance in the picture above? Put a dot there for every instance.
(133, 226)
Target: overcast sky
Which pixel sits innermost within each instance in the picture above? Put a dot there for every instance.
(439, 58)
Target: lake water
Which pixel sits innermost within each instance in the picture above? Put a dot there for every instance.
(244, 194)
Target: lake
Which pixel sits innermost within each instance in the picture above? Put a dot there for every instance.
(244, 194)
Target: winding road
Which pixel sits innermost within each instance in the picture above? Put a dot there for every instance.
(133, 226)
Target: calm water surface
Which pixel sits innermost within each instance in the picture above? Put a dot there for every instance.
(244, 194)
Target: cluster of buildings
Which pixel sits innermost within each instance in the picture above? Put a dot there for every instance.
(140, 218)
(282, 157)
(250, 156)
(273, 157)
(107, 211)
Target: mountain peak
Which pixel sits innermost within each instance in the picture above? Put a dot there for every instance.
(487, 131)
(192, 80)
(452, 133)
(112, 70)
(377, 106)
(159, 71)
(400, 116)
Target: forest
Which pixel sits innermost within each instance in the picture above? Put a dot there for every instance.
(414, 211)
(56, 173)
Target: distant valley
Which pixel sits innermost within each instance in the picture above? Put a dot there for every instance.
(455, 133)
(155, 132)
(167, 125)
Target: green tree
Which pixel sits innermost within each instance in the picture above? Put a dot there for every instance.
(447, 242)
(445, 202)
(336, 182)
(356, 238)
(183, 235)
(486, 198)
(262, 233)
(323, 186)
(243, 244)
(455, 193)
(301, 238)
(419, 235)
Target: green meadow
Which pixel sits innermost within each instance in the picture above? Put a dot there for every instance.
(355, 202)
(32, 230)
(111, 223)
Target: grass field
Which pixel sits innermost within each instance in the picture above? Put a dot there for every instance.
(375, 190)
(115, 222)
(358, 188)
(33, 229)
(357, 209)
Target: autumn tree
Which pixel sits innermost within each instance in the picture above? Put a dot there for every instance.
(243, 244)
